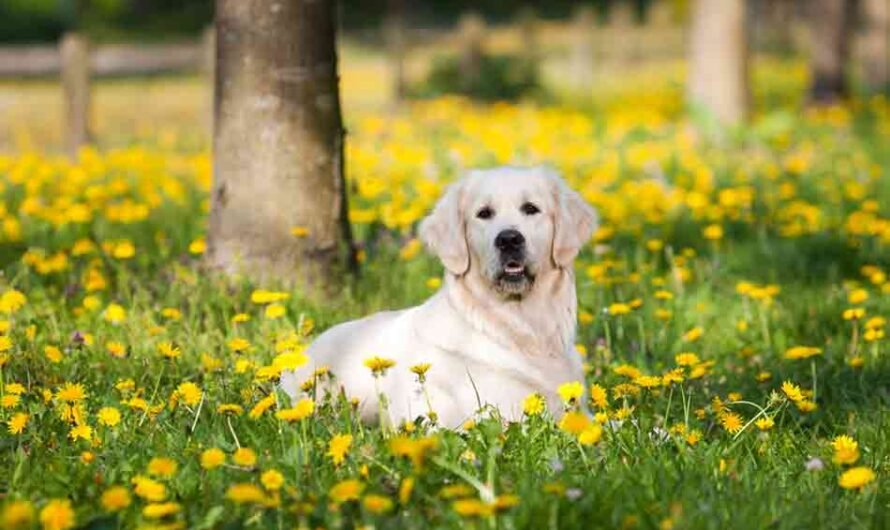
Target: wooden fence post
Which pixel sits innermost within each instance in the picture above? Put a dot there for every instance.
(582, 48)
(75, 72)
(622, 22)
(394, 37)
(472, 31)
(527, 20)
(875, 51)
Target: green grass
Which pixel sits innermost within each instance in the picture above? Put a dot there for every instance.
(643, 473)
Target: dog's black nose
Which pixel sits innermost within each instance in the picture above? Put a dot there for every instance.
(509, 240)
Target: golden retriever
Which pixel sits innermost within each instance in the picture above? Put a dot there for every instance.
(501, 327)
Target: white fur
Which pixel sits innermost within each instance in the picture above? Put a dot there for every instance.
(486, 347)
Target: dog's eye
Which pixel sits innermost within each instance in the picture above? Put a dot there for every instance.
(529, 209)
(485, 213)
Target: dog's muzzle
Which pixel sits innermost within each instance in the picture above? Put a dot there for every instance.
(514, 275)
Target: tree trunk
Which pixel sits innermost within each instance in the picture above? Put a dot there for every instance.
(278, 207)
(718, 63)
(831, 29)
(876, 45)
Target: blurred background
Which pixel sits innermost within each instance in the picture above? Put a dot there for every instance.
(592, 55)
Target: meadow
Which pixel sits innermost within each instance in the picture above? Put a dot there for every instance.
(733, 308)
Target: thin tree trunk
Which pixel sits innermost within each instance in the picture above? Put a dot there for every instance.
(278, 206)
(718, 64)
(831, 30)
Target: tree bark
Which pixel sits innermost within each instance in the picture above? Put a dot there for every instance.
(718, 63)
(278, 205)
(831, 31)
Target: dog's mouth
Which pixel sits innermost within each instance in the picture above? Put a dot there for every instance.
(514, 271)
(515, 278)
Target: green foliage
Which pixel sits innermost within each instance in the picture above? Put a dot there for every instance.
(500, 77)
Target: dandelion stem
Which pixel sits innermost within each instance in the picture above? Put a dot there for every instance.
(813, 372)
(485, 491)
(231, 430)
(197, 414)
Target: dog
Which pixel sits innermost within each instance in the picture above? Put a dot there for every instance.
(502, 325)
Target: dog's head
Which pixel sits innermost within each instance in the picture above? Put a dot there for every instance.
(508, 225)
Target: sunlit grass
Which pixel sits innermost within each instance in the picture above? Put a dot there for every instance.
(731, 322)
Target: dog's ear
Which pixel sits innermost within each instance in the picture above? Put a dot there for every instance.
(573, 223)
(444, 231)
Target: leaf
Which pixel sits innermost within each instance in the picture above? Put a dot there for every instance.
(105, 522)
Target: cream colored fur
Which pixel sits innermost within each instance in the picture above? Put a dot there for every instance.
(486, 347)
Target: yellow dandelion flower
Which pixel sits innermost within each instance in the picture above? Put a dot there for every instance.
(53, 353)
(853, 313)
(11, 301)
(599, 396)
(379, 365)
(377, 504)
(765, 423)
(299, 231)
(574, 422)
(169, 350)
(239, 344)
(713, 232)
(686, 359)
(406, 487)
(731, 421)
(115, 314)
(161, 510)
(244, 457)
(109, 416)
(212, 458)
(81, 432)
(301, 410)
(693, 334)
(115, 499)
(162, 467)
(57, 515)
(17, 423)
(189, 393)
(338, 447)
(198, 246)
(570, 392)
(846, 450)
(346, 490)
(618, 309)
(857, 296)
(262, 406)
(792, 391)
(17, 514)
(272, 480)
(244, 493)
(533, 404)
(420, 370)
(275, 311)
(591, 435)
(856, 478)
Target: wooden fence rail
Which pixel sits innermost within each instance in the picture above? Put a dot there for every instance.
(107, 60)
